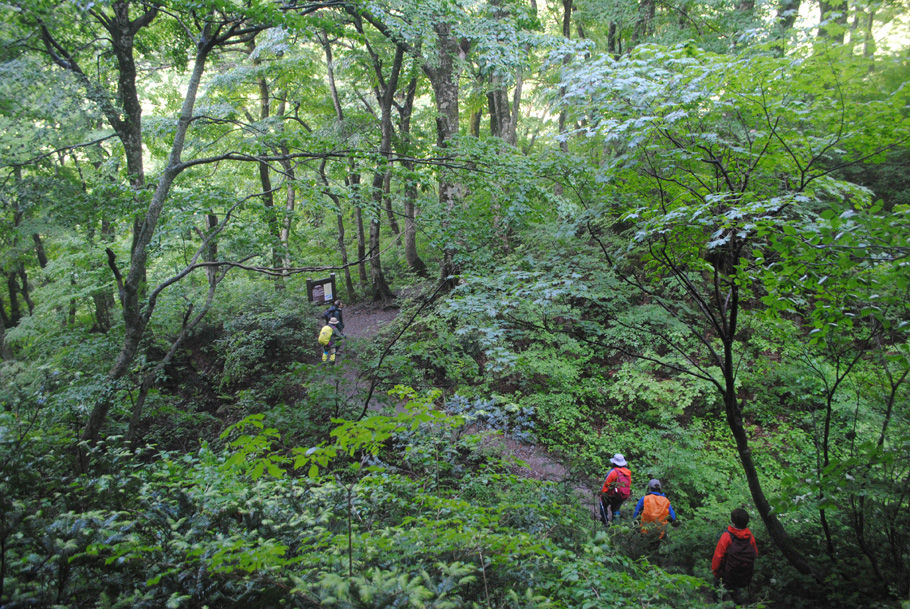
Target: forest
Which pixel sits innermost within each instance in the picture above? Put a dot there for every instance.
(564, 234)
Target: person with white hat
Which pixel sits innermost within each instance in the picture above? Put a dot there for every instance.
(615, 490)
(328, 338)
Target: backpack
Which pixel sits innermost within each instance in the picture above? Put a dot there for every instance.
(330, 313)
(325, 335)
(654, 514)
(621, 487)
(739, 562)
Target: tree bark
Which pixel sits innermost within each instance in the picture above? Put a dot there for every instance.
(728, 314)
(135, 315)
(339, 219)
(385, 95)
(5, 351)
(835, 14)
(12, 288)
(3, 317)
(23, 276)
(268, 198)
(644, 24)
(104, 298)
(387, 203)
(787, 12)
(39, 250)
(614, 43)
(353, 183)
(210, 254)
(567, 34)
(380, 288)
(869, 45)
(474, 123)
(443, 75)
(410, 187)
(126, 120)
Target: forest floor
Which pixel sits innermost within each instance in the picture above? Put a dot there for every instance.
(530, 460)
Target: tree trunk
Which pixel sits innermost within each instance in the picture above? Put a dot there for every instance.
(135, 315)
(385, 94)
(12, 289)
(644, 24)
(104, 298)
(835, 14)
(268, 198)
(70, 319)
(23, 276)
(39, 250)
(387, 203)
(443, 75)
(339, 218)
(474, 123)
(410, 187)
(290, 203)
(343, 250)
(869, 46)
(380, 291)
(614, 44)
(729, 314)
(148, 378)
(5, 352)
(787, 12)
(567, 34)
(3, 316)
(290, 200)
(353, 183)
(103, 302)
(410, 230)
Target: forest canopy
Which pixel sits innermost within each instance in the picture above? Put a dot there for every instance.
(558, 233)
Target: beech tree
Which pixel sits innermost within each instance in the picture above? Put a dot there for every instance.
(730, 156)
(69, 39)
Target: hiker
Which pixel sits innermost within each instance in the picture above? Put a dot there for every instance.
(734, 558)
(615, 490)
(655, 509)
(328, 338)
(335, 311)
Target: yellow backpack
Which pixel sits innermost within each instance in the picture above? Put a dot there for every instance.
(325, 335)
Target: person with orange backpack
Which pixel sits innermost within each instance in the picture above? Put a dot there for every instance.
(655, 510)
(734, 558)
(615, 490)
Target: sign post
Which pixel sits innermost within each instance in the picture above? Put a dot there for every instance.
(321, 291)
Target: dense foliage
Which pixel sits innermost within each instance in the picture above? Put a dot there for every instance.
(678, 231)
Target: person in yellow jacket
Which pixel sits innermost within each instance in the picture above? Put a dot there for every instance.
(655, 511)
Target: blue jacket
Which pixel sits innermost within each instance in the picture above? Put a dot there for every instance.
(641, 505)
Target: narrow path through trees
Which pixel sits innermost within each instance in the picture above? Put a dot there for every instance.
(365, 322)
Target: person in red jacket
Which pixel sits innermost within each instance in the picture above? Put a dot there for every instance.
(615, 490)
(734, 557)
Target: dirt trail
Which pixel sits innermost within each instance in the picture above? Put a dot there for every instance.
(365, 322)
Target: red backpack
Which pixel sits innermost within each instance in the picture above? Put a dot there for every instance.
(621, 487)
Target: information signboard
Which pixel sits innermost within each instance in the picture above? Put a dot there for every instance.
(321, 291)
